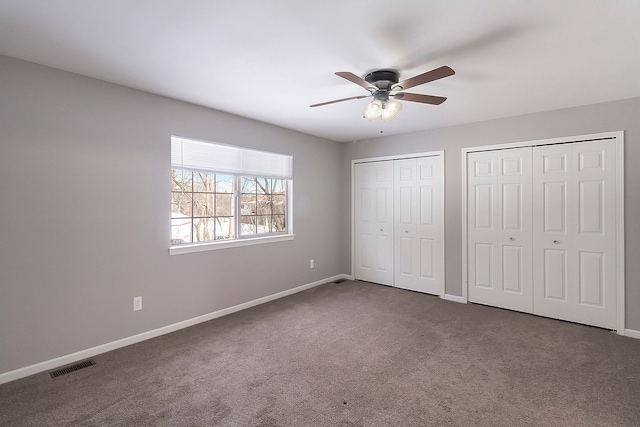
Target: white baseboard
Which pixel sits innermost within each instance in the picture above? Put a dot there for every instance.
(94, 351)
(453, 298)
(632, 333)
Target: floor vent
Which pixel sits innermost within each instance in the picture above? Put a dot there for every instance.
(71, 368)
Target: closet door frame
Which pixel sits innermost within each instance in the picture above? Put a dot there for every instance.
(618, 136)
(440, 154)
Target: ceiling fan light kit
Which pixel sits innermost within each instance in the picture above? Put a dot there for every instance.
(383, 85)
(386, 110)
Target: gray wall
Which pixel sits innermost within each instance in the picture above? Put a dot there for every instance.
(611, 116)
(85, 207)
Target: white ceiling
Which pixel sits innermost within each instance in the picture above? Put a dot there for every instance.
(270, 59)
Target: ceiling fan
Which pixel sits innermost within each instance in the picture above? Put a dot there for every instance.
(383, 84)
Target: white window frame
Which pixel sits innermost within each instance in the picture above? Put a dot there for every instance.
(239, 240)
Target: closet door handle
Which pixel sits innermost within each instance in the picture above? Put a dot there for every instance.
(556, 241)
(512, 238)
(406, 231)
(381, 229)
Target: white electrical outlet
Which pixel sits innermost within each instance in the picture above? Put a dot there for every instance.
(311, 264)
(137, 303)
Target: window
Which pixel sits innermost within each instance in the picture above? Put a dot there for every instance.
(221, 193)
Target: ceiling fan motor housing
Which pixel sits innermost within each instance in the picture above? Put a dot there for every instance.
(383, 79)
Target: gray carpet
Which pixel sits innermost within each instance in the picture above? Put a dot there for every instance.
(349, 354)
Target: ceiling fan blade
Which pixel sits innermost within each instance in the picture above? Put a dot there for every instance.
(339, 100)
(427, 77)
(355, 79)
(416, 97)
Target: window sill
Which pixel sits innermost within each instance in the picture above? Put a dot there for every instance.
(210, 246)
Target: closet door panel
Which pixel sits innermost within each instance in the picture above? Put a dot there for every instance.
(555, 274)
(406, 257)
(514, 227)
(482, 273)
(430, 227)
(499, 228)
(419, 226)
(405, 211)
(512, 273)
(574, 237)
(374, 222)
(428, 259)
(482, 233)
(483, 208)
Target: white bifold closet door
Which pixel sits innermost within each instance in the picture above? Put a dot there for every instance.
(542, 230)
(418, 225)
(499, 229)
(398, 223)
(374, 222)
(574, 232)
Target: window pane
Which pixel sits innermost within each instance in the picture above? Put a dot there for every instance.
(248, 204)
(248, 184)
(248, 225)
(224, 183)
(224, 205)
(277, 223)
(263, 224)
(263, 205)
(180, 180)
(180, 204)
(203, 182)
(278, 204)
(203, 229)
(224, 228)
(180, 231)
(262, 185)
(202, 204)
(278, 186)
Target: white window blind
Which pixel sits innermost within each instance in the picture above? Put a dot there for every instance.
(206, 156)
